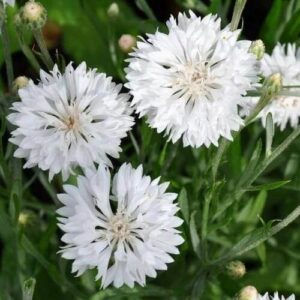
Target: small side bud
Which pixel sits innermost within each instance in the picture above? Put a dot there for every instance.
(127, 42)
(247, 293)
(18, 21)
(25, 218)
(258, 49)
(273, 84)
(235, 269)
(33, 15)
(19, 83)
(113, 10)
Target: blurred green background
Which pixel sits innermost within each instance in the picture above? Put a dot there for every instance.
(82, 31)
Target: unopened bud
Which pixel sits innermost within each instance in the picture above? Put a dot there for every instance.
(19, 83)
(248, 293)
(127, 42)
(33, 15)
(24, 218)
(18, 21)
(273, 84)
(113, 10)
(258, 49)
(236, 269)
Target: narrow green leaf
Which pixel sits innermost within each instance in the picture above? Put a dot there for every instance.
(28, 288)
(269, 134)
(163, 154)
(194, 235)
(272, 23)
(184, 204)
(261, 251)
(250, 169)
(268, 186)
(143, 6)
(292, 29)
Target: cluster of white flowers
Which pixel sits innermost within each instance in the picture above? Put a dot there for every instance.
(189, 83)
(285, 60)
(275, 297)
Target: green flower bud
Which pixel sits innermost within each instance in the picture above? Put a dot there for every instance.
(113, 10)
(248, 293)
(18, 21)
(258, 49)
(33, 15)
(273, 84)
(19, 83)
(26, 218)
(127, 42)
(235, 269)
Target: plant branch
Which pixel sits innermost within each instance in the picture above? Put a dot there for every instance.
(7, 55)
(259, 170)
(44, 51)
(250, 242)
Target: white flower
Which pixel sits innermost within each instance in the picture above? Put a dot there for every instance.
(127, 234)
(68, 120)
(285, 59)
(190, 81)
(275, 297)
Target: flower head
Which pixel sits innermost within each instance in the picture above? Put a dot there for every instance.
(275, 297)
(127, 234)
(73, 119)
(33, 15)
(190, 81)
(285, 60)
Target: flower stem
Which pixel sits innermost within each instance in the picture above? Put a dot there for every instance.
(265, 98)
(250, 243)
(42, 45)
(205, 216)
(7, 55)
(237, 13)
(259, 170)
(28, 53)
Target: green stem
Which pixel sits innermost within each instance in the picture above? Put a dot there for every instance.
(264, 235)
(42, 45)
(7, 56)
(259, 170)
(263, 101)
(28, 53)
(237, 13)
(135, 144)
(205, 216)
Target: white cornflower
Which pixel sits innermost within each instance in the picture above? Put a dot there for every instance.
(190, 81)
(127, 234)
(275, 297)
(68, 120)
(285, 59)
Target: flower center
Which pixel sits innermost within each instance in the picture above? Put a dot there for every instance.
(71, 120)
(119, 226)
(192, 80)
